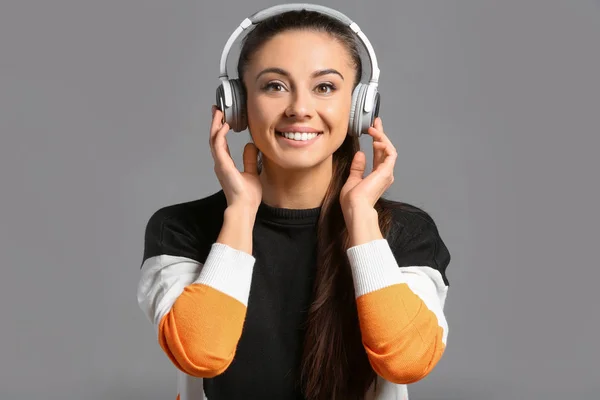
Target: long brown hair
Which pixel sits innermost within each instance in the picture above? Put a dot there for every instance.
(334, 362)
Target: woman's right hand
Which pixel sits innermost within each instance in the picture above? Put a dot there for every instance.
(241, 189)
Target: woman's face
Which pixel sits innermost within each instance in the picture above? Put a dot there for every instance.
(299, 81)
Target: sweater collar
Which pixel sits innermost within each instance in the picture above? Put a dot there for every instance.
(288, 216)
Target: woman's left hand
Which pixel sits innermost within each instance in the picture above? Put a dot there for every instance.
(364, 192)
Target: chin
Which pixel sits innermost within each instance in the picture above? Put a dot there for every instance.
(296, 165)
(297, 162)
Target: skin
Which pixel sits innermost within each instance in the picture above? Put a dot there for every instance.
(295, 94)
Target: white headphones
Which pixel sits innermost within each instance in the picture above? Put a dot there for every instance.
(365, 98)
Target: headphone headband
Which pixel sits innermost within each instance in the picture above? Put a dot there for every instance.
(282, 8)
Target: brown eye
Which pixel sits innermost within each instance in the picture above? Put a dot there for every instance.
(273, 87)
(325, 88)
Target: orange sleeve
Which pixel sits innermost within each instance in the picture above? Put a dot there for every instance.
(401, 335)
(201, 331)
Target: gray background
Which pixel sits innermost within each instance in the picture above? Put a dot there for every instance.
(494, 107)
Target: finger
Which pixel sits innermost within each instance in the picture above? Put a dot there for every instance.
(377, 132)
(381, 178)
(378, 124)
(251, 159)
(221, 148)
(386, 165)
(378, 153)
(357, 168)
(380, 143)
(217, 128)
(216, 123)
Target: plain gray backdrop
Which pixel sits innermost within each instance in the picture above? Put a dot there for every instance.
(494, 107)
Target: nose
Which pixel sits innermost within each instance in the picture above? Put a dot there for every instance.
(300, 105)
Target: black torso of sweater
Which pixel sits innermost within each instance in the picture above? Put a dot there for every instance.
(267, 359)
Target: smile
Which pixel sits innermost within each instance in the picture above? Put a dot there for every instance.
(298, 139)
(299, 136)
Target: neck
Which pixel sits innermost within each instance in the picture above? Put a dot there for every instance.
(295, 189)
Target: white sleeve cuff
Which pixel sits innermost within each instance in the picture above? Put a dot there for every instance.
(229, 271)
(373, 266)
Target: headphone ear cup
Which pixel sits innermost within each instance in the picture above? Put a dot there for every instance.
(360, 121)
(238, 108)
(375, 112)
(235, 115)
(221, 100)
(355, 127)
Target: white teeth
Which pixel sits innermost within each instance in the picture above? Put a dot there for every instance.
(301, 136)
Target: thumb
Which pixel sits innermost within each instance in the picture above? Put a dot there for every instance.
(357, 168)
(251, 159)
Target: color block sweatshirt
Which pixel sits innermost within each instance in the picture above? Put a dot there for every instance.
(232, 323)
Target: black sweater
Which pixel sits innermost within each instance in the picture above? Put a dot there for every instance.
(272, 287)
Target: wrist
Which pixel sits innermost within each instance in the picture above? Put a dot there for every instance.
(362, 225)
(238, 225)
(240, 213)
(359, 212)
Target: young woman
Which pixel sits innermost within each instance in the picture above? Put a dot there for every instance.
(297, 280)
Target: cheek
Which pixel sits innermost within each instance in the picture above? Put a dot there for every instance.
(260, 118)
(260, 110)
(337, 114)
(254, 114)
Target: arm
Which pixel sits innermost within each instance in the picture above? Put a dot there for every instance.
(400, 307)
(198, 310)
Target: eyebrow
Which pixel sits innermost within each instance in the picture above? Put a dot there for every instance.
(283, 72)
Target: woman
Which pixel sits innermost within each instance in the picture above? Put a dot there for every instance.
(297, 280)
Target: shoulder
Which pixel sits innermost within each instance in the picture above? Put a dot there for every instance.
(191, 214)
(415, 239)
(185, 229)
(409, 220)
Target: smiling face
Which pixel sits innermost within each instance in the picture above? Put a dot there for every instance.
(299, 81)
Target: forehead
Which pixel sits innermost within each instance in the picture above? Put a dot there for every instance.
(300, 50)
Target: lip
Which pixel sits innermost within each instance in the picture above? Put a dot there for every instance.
(293, 128)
